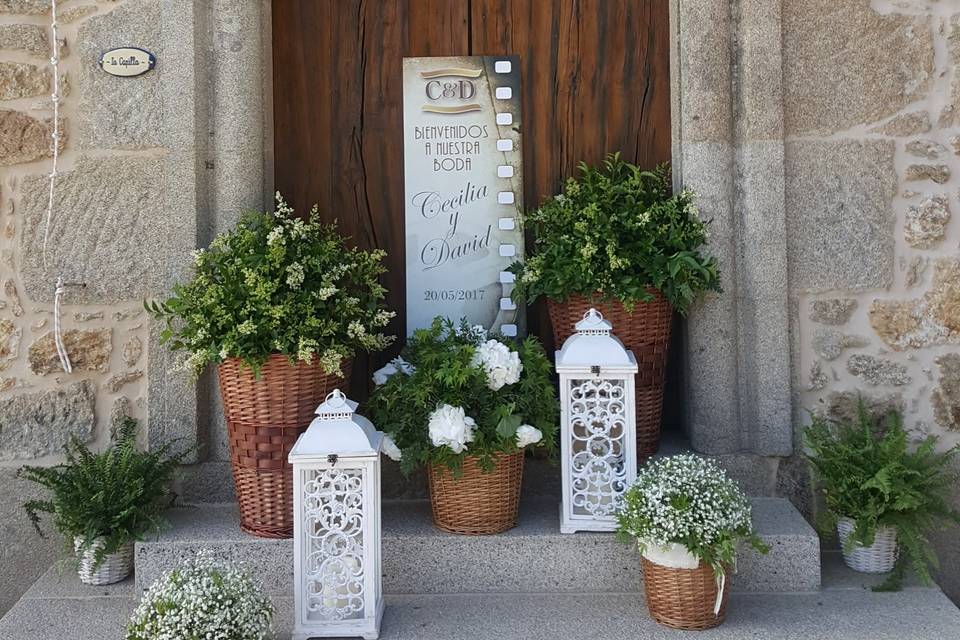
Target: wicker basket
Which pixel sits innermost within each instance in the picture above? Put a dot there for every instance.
(684, 598)
(880, 557)
(646, 332)
(114, 567)
(477, 503)
(264, 418)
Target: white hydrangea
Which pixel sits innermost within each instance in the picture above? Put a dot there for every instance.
(450, 426)
(202, 599)
(395, 366)
(501, 364)
(527, 435)
(390, 448)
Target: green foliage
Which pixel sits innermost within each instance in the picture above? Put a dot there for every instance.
(118, 495)
(616, 232)
(444, 372)
(867, 472)
(278, 284)
(690, 501)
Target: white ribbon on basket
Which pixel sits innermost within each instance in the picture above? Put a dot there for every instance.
(677, 556)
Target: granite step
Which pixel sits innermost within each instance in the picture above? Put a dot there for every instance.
(534, 557)
(58, 606)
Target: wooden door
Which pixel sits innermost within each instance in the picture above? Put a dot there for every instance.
(595, 78)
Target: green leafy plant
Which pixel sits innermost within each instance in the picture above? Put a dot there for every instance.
(458, 392)
(117, 495)
(689, 501)
(278, 284)
(615, 233)
(867, 472)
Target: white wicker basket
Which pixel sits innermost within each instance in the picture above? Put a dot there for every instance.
(114, 568)
(880, 557)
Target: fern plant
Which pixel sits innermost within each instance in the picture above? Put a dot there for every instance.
(116, 496)
(868, 473)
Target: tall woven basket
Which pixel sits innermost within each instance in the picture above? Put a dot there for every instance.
(880, 557)
(684, 598)
(264, 418)
(646, 332)
(477, 503)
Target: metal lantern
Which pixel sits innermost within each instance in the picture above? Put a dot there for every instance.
(336, 470)
(598, 425)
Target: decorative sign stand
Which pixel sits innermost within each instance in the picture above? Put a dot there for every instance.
(463, 177)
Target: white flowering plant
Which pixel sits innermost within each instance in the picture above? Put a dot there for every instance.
(278, 284)
(202, 599)
(617, 232)
(689, 501)
(457, 391)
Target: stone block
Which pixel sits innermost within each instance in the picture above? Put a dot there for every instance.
(124, 113)
(946, 397)
(10, 336)
(929, 149)
(705, 71)
(29, 7)
(927, 222)
(24, 138)
(75, 13)
(921, 322)
(10, 290)
(111, 231)
(830, 344)
(843, 406)
(833, 311)
(89, 350)
(22, 80)
(39, 424)
(939, 173)
(878, 371)
(132, 350)
(840, 220)
(845, 64)
(119, 380)
(31, 38)
(907, 124)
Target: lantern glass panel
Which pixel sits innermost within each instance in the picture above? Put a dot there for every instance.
(598, 426)
(333, 568)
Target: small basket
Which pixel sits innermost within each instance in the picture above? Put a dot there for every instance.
(265, 417)
(646, 332)
(880, 557)
(684, 598)
(477, 503)
(115, 567)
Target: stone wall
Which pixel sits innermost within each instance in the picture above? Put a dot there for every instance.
(872, 156)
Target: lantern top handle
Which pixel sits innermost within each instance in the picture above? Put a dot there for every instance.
(593, 324)
(336, 406)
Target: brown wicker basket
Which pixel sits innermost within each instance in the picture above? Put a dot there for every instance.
(646, 332)
(684, 598)
(264, 418)
(477, 503)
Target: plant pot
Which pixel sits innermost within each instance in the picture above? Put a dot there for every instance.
(477, 502)
(684, 598)
(265, 417)
(113, 568)
(646, 332)
(880, 557)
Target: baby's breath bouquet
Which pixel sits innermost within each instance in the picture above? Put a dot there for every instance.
(616, 232)
(457, 391)
(278, 284)
(202, 599)
(688, 504)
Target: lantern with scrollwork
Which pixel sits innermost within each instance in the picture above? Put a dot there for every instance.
(598, 426)
(336, 469)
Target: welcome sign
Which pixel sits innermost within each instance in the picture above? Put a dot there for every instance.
(463, 189)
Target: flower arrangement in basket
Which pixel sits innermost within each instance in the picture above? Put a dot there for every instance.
(687, 517)
(881, 495)
(103, 502)
(466, 405)
(281, 305)
(202, 599)
(619, 240)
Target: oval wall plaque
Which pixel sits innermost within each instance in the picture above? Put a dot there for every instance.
(127, 61)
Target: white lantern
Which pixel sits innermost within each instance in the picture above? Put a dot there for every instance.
(598, 426)
(336, 535)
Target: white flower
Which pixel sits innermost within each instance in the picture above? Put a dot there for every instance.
(397, 365)
(451, 426)
(527, 434)
(390, 448)
(501, 364)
